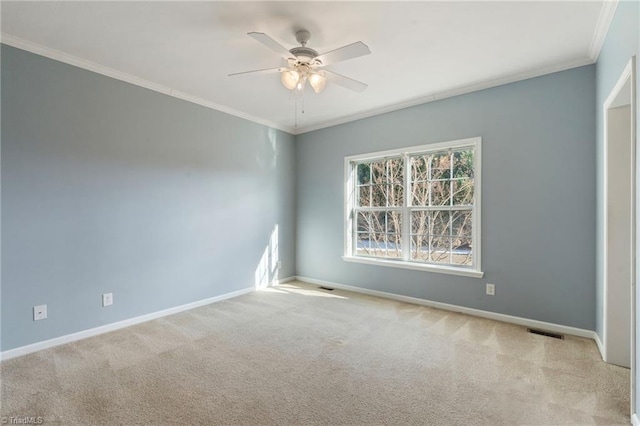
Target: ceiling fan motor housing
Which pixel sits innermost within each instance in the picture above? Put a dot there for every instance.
(304, 54)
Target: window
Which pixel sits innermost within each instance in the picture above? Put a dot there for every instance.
(415, 208)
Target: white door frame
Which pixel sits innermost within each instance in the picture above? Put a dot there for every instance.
(628, 76)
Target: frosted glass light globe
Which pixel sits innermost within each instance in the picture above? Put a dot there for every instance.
(317, 82)
(290, 79)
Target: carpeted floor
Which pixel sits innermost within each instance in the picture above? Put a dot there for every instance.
(297, 355)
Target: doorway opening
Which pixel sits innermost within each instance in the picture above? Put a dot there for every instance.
(620, 239)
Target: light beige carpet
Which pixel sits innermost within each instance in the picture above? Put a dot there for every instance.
(297, 355)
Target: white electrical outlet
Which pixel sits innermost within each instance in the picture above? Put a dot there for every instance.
(107, 299)
(491, 289)
(39, 312)
(279, 264)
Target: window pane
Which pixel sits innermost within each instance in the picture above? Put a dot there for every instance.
(395, 171)
(363, 245)
(420, 248)
(420, 222)
(386, 196)
(364, 173)
(378, 172)
(462, 253)
(461, 224)
(463, 164)
(394, 245)
(441, 166)
(440, 193)
(363, 222)
(395, 195)
(364, 196)
(394, 223)
(420, 194)
(419, 168)
(378, 222)
(440, 249)
(378, 244)
(379, 234)
(379, 196)
(440, 223)
(463, 192)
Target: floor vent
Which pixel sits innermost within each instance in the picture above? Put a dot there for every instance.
(546, 333)
(325, 288)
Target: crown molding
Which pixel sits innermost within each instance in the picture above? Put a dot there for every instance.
(474, 87)
(19, 43)
(607, 12)
(38, 49)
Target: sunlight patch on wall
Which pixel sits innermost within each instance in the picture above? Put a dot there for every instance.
(268, 267)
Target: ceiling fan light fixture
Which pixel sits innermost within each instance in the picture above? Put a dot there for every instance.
(290, 79)
(317, 81)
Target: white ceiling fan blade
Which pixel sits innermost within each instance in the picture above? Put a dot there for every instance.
(343, 53)
(271, 44)
(262, 71)
(346, 82)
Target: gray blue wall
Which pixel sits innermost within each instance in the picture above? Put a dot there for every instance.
(538, 197)
(109, 187)
(622, 42)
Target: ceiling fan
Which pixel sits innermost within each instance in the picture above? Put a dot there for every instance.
(305, 64)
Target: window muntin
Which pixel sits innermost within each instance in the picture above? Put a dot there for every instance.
(419, 205)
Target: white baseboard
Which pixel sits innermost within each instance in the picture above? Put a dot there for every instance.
(34, 347)
(556, 328)
(635, 421)
(24, 350)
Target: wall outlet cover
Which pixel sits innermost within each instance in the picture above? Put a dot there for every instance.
(491, 289)
(107, 299)
(39, 312)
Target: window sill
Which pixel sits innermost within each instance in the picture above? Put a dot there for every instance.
(415, 266)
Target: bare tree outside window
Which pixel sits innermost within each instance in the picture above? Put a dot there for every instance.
(441, 217)
(380, 189)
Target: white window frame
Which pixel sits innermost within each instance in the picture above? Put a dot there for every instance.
(349, 204)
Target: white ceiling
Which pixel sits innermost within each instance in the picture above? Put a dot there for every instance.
(420, 50)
